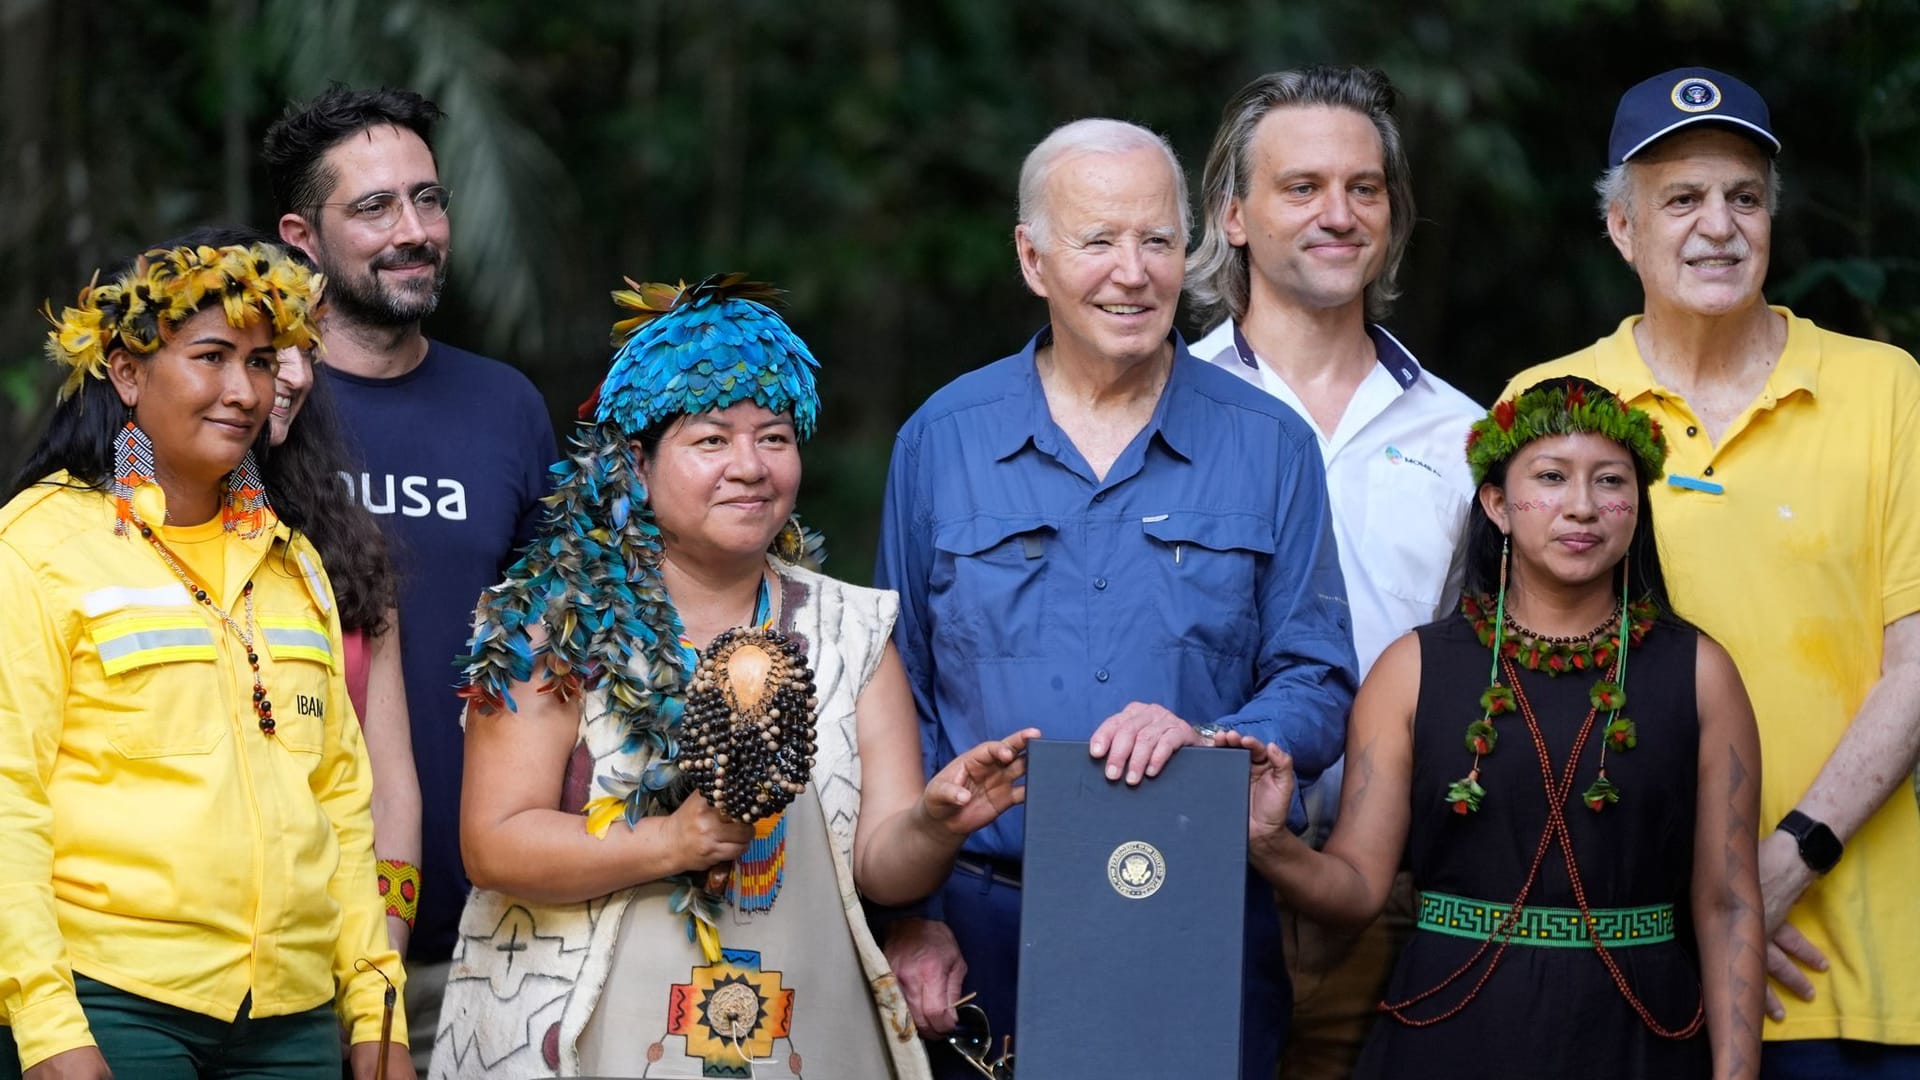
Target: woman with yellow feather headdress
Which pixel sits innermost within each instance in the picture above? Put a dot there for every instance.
(187, 868)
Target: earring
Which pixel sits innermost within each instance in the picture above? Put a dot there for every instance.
(1626, 572)
(246, 505)
(132, 467)
(1500, 602)
(1620, 732)
(1464, 795)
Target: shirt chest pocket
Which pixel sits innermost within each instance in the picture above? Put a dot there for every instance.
(299, 675)
(1415, 522)
(162, 689)
(1203, 574)
(988, 586)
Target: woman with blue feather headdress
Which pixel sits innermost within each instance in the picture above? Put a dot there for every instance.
(690, 754)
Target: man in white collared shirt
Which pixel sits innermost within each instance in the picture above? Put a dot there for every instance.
(1308, 209)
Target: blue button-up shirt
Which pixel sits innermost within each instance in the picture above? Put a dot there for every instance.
(1034, 594)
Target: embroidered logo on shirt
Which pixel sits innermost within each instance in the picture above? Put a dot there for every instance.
(1394, 455)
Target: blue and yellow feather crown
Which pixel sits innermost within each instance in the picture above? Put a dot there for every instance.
(590, 580)
(689, 349)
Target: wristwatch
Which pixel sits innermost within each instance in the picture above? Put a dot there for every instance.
(1819, 848)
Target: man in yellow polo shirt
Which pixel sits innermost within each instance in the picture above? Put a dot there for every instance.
(1789, 527)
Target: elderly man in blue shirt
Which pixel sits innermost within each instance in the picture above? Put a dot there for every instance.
(1104, 537)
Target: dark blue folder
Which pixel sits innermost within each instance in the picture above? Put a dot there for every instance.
(1132, 918)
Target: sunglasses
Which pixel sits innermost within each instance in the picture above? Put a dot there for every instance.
(973, 1039)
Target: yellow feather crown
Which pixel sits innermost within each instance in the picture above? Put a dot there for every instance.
(166, 287)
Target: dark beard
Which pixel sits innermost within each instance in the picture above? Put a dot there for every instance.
(365, 301)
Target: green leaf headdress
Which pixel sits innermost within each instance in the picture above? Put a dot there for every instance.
(1567, 406)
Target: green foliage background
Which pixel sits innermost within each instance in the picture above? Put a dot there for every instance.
(862, 154)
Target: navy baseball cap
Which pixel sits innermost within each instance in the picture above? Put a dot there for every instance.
(1684, 96)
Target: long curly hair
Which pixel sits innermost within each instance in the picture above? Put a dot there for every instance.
(303, 477)
(303, 480)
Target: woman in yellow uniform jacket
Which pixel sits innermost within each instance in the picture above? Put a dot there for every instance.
(186, 866)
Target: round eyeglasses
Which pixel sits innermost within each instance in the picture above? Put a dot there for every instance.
(973, 1039)
(381, 210)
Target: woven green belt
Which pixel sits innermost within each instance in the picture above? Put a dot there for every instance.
(1550, 926)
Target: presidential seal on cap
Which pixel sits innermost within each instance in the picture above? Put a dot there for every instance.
(1677, 99)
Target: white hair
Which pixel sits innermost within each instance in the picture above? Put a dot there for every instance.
(1094, 135)
(1615, 188)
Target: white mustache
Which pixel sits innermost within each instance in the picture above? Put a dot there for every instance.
(1738, 250)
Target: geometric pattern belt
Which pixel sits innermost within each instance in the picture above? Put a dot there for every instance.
(1548, 926)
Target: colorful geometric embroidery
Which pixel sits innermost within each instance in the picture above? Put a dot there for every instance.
(730, 1012)
(1549, 926)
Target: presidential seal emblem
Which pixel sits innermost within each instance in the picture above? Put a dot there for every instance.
(1694, 94)
(1136, 870)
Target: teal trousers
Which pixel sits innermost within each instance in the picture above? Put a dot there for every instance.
(145, 1040)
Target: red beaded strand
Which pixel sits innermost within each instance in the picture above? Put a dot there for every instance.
(1557, 794)
(262, 708)
(1557, 823)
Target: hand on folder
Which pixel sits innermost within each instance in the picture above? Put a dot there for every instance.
(1138, 740)
(1270, 785)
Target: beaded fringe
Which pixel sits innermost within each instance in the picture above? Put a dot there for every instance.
(760, 870)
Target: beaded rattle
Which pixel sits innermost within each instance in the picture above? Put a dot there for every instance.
(747, 733)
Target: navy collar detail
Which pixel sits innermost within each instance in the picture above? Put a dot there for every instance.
(1393, 355)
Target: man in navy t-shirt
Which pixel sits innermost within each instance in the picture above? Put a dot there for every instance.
(453, 447)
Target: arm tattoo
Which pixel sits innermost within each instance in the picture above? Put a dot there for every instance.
(1739, 857)
(1360, 774)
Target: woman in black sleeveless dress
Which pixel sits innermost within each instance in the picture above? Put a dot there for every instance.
(1572, 773)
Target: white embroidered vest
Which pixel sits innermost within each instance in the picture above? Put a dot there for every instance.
(525, 976)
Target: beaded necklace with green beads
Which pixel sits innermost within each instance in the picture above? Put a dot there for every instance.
(1558, 407)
